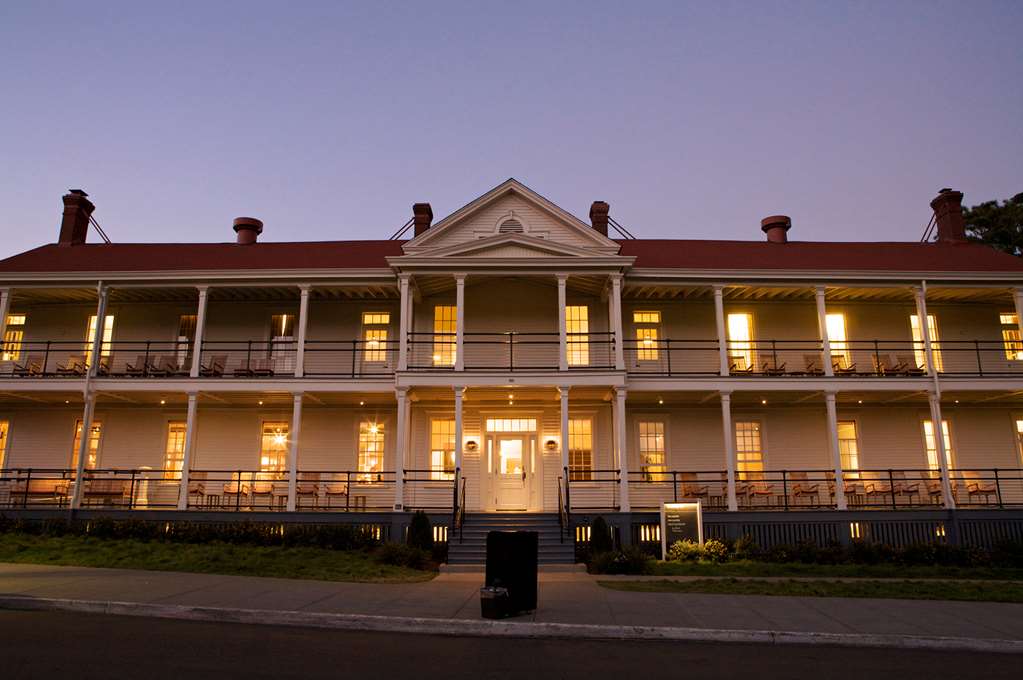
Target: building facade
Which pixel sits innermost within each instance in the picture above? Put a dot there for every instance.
(512, 357)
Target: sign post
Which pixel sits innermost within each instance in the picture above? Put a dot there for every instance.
(680, 522)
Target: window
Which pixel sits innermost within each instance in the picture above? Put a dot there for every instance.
(442, 448)
(90, 336)
(4, 427)
(1010, 337)
(577, 325)
(838, 340)
(511, 424)
(371, 448)
(651, 448)
(444, 329)
(1019, 440)
(740, 345)
(931, 444)
(919, 349)
(174, 456)
(374, 333)
(580, 449)
(749, 447)
(186, 337)
(13, 337)
(848, 447)
(648, 326)
(273, 449)
(282, 341)
(92, 449)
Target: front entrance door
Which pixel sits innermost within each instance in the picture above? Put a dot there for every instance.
(511, 473)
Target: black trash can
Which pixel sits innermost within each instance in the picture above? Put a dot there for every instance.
(512, 558)
(494, 602)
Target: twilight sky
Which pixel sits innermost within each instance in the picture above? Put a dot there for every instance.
(327, 120)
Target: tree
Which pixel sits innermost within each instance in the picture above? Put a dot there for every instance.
(999, 226)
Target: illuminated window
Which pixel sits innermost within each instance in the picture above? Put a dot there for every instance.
(648, 326)
(1010, 337)
(186, 337)
(511, 424)
(4, 427)
(919, 349)
(580, 449)
(90, 336)
(848, 446)
(577, 323)
(371, 448)
(445, 347)
(273, 450)
(1019, 440)
(92, 448)
(740, 341)
(651, 448)
(374, 332)
(13, 337)
(931, 444)
(282, 341)
(749, 447)
(838, 340)
(174, 455)
(442, 448)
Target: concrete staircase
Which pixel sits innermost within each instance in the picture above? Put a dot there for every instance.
(472, 549)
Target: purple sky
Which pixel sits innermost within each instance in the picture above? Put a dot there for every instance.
(328, 121)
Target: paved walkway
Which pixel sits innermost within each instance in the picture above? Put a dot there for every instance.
(564, 598)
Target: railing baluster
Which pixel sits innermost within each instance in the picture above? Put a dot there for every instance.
(980, 363)
(28, 483)
(891, 487)
(348, 489)
(355, 347)
(877, 358)
(46, 359)
(511, 351)
(998, 488)
(668, 352)
(785, 488)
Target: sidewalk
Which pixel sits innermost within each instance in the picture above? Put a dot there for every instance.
(571, 598)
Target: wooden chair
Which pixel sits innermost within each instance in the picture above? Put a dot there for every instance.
(840, 367)
(237, 490)
(335, 490)
(802, 488)
(976, 486)
(813, 364)
(264, 368)
(103, 366)
(168, 366)
(850, 486)
(105, 491)
(879, 491)
(756, 487)
(33, 366)
(691, 488)
(261, 488)
(932, 483)
(908, 366)
(772, 367)
(46, 490)
(308, 486)
(883, 365)
(215, 367)
(904, 487)
(197, 487)
(75, 365)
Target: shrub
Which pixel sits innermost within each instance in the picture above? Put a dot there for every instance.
(402, 555)
(420, 533)
(745, 548)
(630, 560)
(685, 551)
(715, 551)
(600, 536)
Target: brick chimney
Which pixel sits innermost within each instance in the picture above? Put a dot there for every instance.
(422, 216)
(599, 213)
(74, 225)
(248, 230)
(948, 214)
(776, 227)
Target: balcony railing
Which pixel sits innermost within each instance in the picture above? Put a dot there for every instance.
(511, 351)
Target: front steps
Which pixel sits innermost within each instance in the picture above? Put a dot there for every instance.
(472, 549)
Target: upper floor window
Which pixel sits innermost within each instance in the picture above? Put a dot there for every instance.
(186, 337)
(90, 336)
(648, 329)
(919, 348)
(13, 337)
(374, 334)
(174, 453)
(740, 341)
(1019, 440)
(931, 444)
(273, 450)
(92, 447)
(445, 322)
(577, 325)
(1010, 336)
(282, 341)
(580, 449)
(4, 427)
(749, 447)
(838, 340)
(442, 448)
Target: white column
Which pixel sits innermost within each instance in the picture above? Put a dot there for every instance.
(458, 427)
(404, 318)
(621, 448)
(293, 435)
(615, 309)
(303, 320)
(83, 447)
(1017, 298)
(459, 321)
(719, 316)
(200, 331)
(563, 392)
(942, 446)
(401, 438)
(919, 293)
(726, 424)
(186, 458)
(836, 452)
(5, 309)
(822, 323)
(562, 325)
(97, 340)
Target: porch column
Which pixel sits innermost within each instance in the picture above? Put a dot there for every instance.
(458, 427)
(920, 295)
(97, 340)
(562, 324)
(719, 316)
(303, 319)
(200, 331)
(822, 323)
(186, 458)
(459, 321)
(404, 317)
(83, 447)
(836, 452)
(563, 392)
(1017, 298)
(617, 323)
(726, 424)
(293, 435)
(5, 309)
(621, 448)
(942, 446)
(401, 436)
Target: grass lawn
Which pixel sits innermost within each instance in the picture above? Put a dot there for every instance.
(749, 568)
(206, 558)
(977, 591)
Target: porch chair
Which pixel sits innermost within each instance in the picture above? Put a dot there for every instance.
(850, 486)
(772, 367)
(168, 366)
(813, 364)
(263, 488)
(215, 367)
(691, 488)
(75, 365)
(139, 369)
(802, 488)
(105, 491)
(908, 365)
(308, 486)
(932, 482)
(237, 490)
(904, 487)
(741, 367)
(335, 490)
(840, 367)
(103, 365)
(883, 365)
(264, 368)
(756, 487)
(33, 366)
(879, 491)
(197, 487)
(976, 486)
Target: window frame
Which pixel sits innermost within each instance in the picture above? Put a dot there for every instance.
(577, 342)
(1012, 341)
(445, 342)
(856, 439)
(169, 471)
(840, 352)
(736, 348)
(106, 348)
(581, 473)
(9, 341)
(97, 424)
(378, 354)
(920, 347)
(367, 476)
(950, 446)
(441, 473)
(654, 327)
(5, 441)
(759, 421)
(647, 473)
(284, 427)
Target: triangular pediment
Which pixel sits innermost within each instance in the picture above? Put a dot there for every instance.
(510, 210)
(510, 246)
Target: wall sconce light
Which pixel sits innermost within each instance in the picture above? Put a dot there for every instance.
(471, 445)
(551, 444)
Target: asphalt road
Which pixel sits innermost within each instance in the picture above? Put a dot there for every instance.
(58, 644)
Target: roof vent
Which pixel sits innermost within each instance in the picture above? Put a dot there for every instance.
(510, 226)
(248, 230)
(776, 227)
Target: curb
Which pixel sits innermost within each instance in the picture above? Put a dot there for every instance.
(487, 628)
